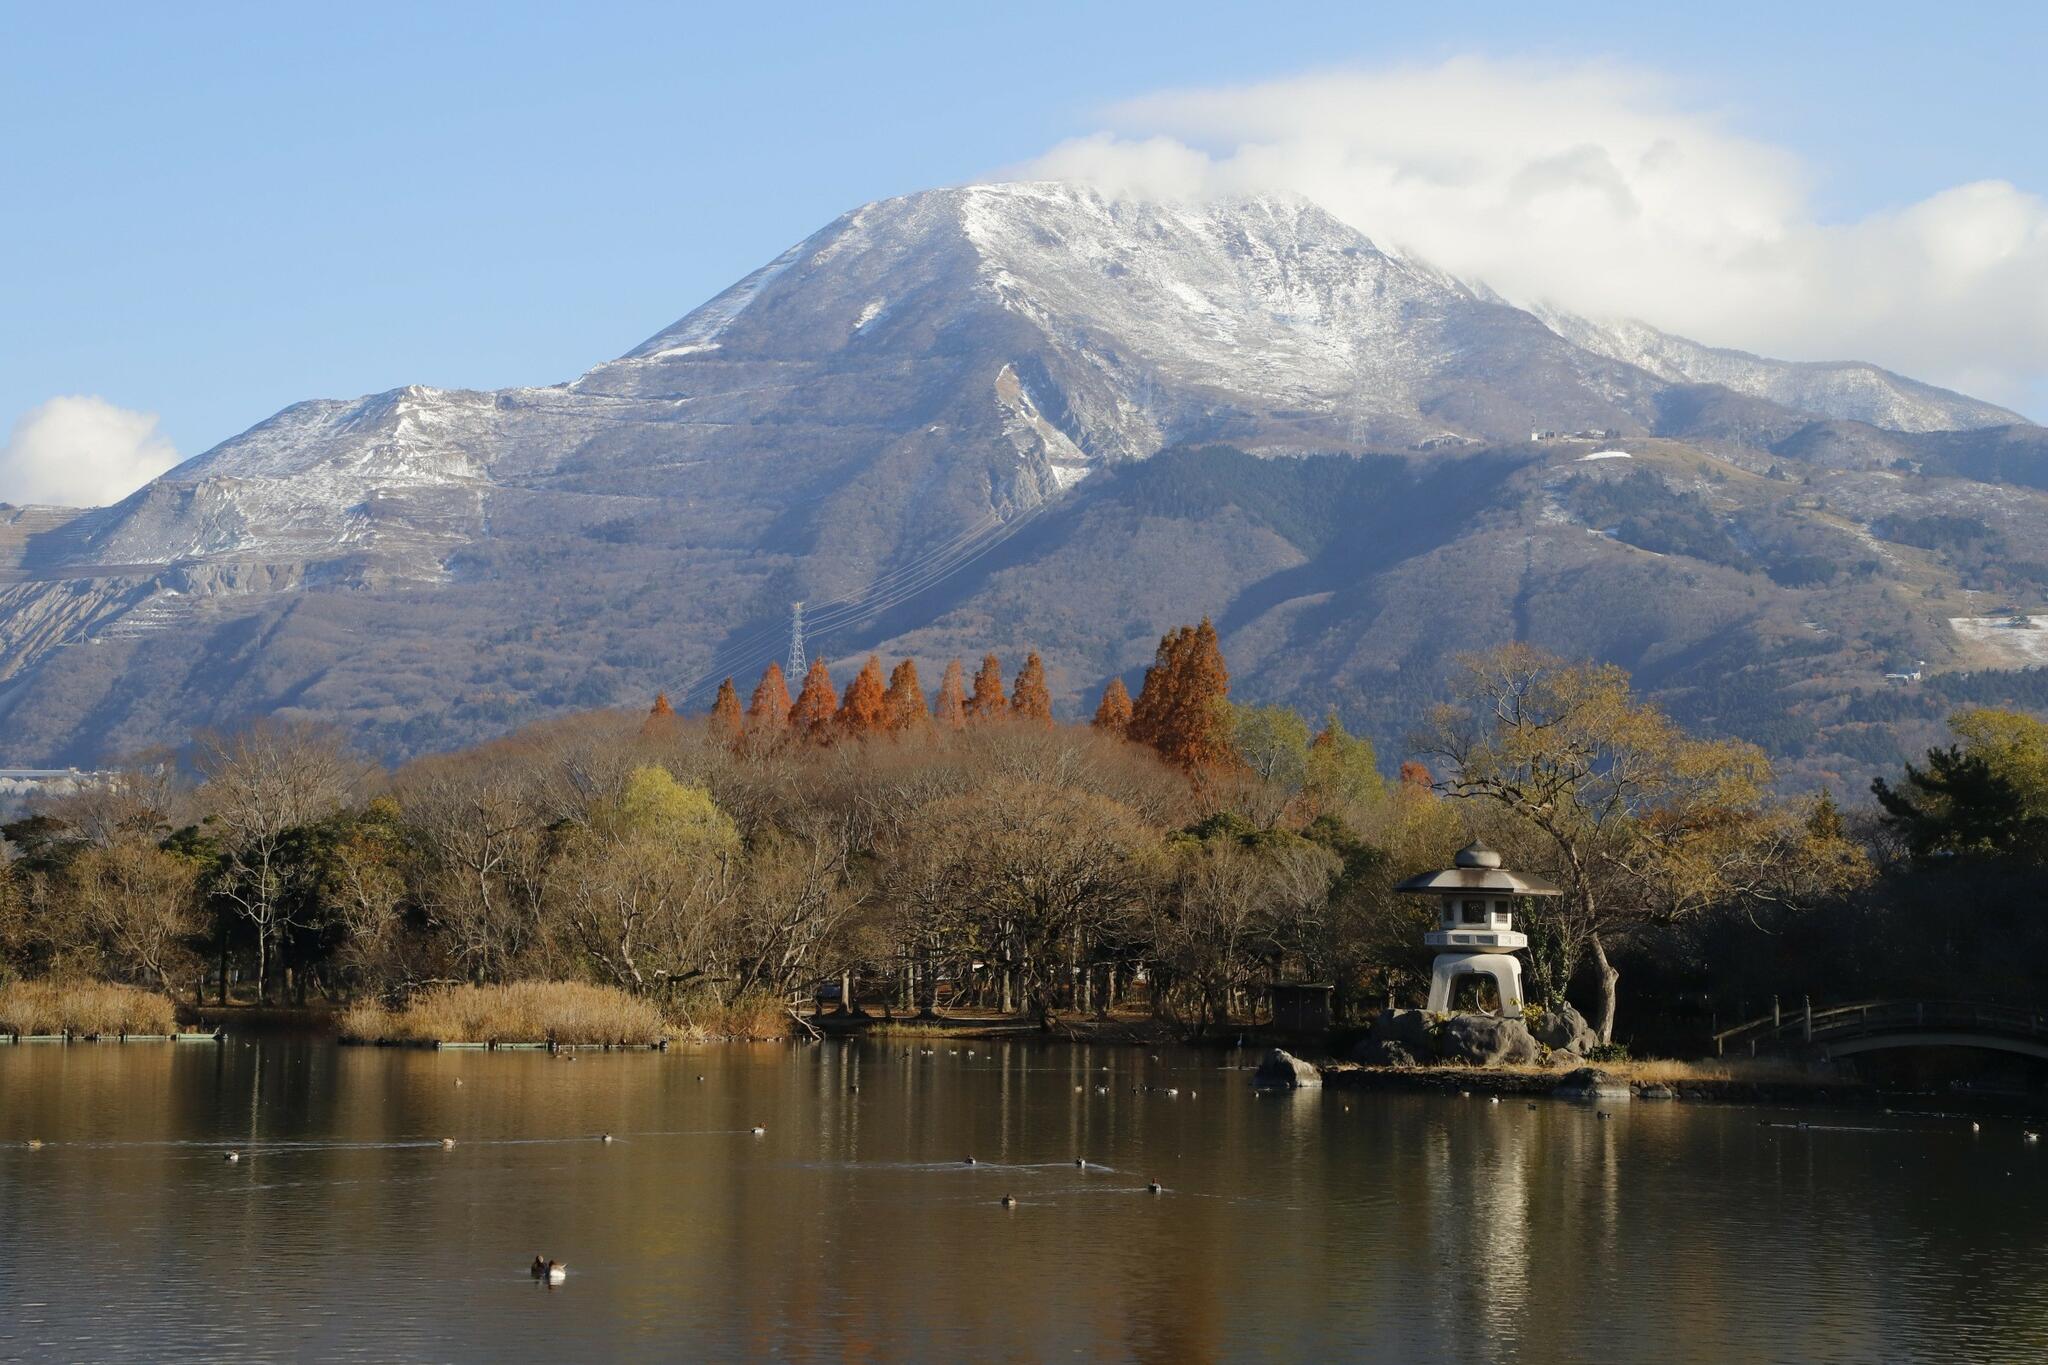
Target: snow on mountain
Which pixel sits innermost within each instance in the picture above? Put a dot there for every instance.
(918, 371)
(1847, 390)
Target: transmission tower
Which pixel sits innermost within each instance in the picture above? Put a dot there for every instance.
(797, 666)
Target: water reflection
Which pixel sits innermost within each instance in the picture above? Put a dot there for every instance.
(1333, 1225)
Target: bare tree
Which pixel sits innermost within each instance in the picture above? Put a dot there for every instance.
(261, 784)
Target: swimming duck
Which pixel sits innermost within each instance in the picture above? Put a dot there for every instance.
(1153, 1187)
(447, 1143)
(2031, 1136)
(1009, 1201)
(35, 1144)
(968, 1162)
(1080, 1164)
(758, 1130)
(604, 1137)
(554, 1272)
(230, 1156)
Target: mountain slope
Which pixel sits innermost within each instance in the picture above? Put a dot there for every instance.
(1848, 390)
(894, 421)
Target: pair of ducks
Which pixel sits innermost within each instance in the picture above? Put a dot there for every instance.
(554, 1272)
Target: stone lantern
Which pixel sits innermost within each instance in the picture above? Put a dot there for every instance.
(1475, 925)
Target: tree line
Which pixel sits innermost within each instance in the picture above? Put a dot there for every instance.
(1179, 852)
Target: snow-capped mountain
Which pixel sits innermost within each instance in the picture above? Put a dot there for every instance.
(871, 422)
(1848, 389)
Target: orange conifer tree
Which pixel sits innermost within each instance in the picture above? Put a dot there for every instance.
(1030, 700)
(769, 710)
(950, 711)
(863, 710)
(725, 711)
(661, 717)
(1113, 714)
(903, 705)
(988, 702)
(811, 717)
(1179, 710)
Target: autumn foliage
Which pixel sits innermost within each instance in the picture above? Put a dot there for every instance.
(811, 717)
(1029, 698)
(1180, 709)
(988, 702)
(862, 710)
(1181, 712)
(769, 710)
(1113, 713)
(903, 705)
(950, 711)
(725, 710)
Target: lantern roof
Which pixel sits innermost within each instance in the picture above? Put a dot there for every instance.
(1478, 869)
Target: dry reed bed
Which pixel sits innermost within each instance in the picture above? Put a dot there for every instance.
(84, 1007)
(566, 1012)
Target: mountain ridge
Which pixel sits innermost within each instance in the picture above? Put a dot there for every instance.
(885, 408)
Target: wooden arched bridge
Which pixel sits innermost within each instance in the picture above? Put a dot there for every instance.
(1875, 1025)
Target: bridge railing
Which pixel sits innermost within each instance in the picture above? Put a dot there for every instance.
(1807, 1024)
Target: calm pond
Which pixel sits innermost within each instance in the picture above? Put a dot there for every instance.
(1315, 1226)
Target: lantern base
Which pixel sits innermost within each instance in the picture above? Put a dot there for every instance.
(1504, 969)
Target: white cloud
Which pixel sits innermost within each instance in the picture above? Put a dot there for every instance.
(80, 451)
(1598, 188)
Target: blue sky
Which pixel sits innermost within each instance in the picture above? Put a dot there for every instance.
(210, 212)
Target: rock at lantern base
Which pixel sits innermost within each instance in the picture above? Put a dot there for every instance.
(1373, 1052)
(1486, 1040)
(1563, 1029)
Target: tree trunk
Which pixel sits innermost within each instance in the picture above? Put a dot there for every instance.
(223, 963)
(262, 966)
(1607, 976)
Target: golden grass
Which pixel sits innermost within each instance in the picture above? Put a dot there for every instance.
(519, 1012)
(751, 1018)
(1664, 1071)
(84, 1007)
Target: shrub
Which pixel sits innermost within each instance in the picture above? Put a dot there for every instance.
(1607, 1052)
(519, 1012)
(84, 1007)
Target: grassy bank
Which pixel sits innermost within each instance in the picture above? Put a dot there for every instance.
(520, 1012)
(84, 1008)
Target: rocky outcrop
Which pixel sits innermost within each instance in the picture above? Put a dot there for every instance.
(1410, 1028)
(1284, 1071)
(1373, 1052)
(1485, 1040)
(1561, 1028)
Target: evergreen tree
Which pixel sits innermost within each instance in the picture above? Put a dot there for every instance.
(988, 702)
(903, 705)
(1180, 710)
(769, 710)
(725, 711)
(1030, 700)
(811, 717)
(1113, 713)
(865, 706)
(950, 711)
